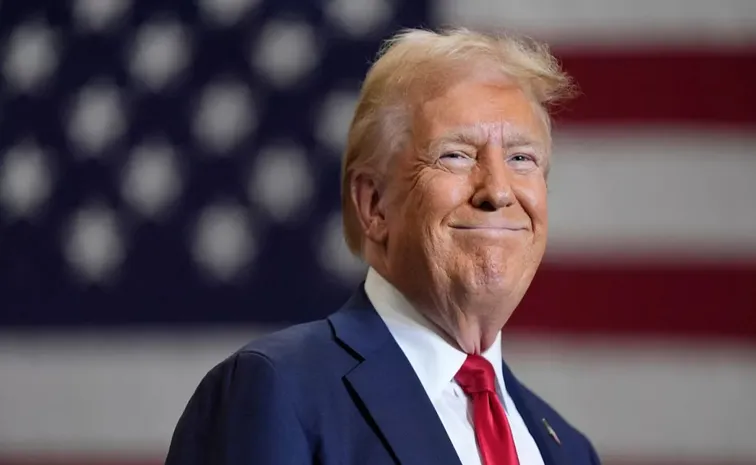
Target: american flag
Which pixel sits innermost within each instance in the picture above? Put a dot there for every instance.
(169, 184)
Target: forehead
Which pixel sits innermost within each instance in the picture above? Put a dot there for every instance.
(494, 111)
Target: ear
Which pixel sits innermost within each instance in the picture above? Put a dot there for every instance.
(367, 196)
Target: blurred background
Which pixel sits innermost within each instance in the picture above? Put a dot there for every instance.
(169, 184)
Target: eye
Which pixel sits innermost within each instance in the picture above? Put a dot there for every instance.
(456, 160)
(522, 157)
(454, 156)
(523, 161)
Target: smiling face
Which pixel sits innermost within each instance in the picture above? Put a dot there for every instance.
(465, 203)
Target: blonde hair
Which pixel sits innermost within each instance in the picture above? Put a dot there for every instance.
(416, 64)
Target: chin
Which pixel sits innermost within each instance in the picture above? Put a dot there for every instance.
(484, 282)
(498, 279)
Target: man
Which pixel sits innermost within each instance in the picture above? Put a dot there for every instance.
(444, 196)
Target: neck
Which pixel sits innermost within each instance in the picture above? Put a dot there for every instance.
(472, 332)
(472, 327)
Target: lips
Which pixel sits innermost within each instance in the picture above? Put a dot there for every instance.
(491, 227)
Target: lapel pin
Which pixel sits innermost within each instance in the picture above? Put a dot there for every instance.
(551, 431)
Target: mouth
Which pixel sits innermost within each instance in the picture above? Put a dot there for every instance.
(489, 228)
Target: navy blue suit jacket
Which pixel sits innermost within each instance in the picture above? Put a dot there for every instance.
(337, 391)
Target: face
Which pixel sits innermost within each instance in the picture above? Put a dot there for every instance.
(465, 204)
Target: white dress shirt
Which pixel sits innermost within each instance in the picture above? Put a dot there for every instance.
(436, 362)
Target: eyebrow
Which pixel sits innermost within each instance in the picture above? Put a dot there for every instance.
(476, 136)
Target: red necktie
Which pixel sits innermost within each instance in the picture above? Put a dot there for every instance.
(476, 377)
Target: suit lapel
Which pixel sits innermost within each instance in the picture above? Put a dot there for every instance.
(392, 395)
(538, 428)
(387, 390)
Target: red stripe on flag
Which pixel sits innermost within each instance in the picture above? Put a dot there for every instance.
(661, 86)
(669, 300)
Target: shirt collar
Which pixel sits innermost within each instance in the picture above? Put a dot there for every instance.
(434, 359)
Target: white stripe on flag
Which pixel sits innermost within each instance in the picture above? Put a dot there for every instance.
(611, 23)
(629, 191)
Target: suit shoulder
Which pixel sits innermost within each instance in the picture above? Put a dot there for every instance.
(288, 345)
(306, 353)
(284, 359)
(244, 396)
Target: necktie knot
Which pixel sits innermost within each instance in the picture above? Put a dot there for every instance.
(476, 375)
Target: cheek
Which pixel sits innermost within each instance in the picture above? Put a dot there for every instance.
(533, 197)
(445, 192)
(432, 196)
(427, 209)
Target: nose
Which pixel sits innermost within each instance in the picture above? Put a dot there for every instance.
(493, 189)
